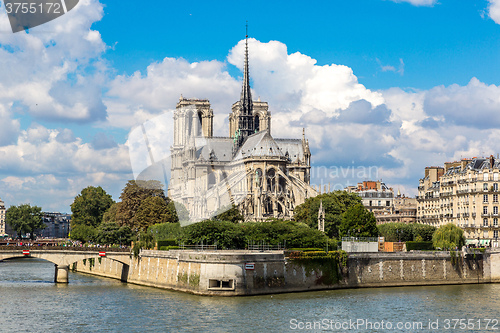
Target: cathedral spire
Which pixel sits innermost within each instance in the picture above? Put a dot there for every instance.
(246, 119)
(246, 94)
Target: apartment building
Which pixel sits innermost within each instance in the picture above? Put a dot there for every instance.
(464, 193)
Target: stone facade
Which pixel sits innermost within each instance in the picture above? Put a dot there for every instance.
(264, 177)
(232, 273)
(464, 193)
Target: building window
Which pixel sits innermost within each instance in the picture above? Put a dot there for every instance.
(495, 197)
(485, 187)
(380, 203)
(495, 187)
(495, 210)
(387, 203)
(485, 234)
(485, 222)
(495, 233)
(495, 222)
(485, 210)
(485, 177)
(485, 198)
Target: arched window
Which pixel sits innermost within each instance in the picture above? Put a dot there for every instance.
(200, 123)
(258, 178)
(257, 123)
(189, 122)
(271, 180)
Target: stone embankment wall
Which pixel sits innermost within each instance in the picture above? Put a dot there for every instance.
(231, 273)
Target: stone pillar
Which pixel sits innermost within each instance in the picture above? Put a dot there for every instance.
(61, 273)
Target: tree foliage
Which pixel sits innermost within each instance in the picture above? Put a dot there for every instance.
(83, 233)
(335, 204)
(111, 233)
(225, 234)
(229, 235)
(165, 231)
(394, 232)
(358, 221)
(230, 214)
(448, 237)
(152, 210)
(89, 206)
(132, 196)
(25, 219)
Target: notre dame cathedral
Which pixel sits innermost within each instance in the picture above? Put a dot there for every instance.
(264, 177)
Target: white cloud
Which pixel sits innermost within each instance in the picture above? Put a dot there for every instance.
(47, 70)
(295, 82)
(494, 10)
(474, 105)
(419, 2)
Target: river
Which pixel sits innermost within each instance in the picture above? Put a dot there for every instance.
(31, 302)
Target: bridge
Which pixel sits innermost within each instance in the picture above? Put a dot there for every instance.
(63, 257)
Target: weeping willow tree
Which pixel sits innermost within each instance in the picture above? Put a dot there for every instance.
(448, 237)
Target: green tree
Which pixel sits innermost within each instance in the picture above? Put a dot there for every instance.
(83, 233)
(226, 235)
(111, 233)
(395, 232)
(335, 204)
(89, 206)
(25, 219)
(230, 214)
(110, 215)
(153, 210)
(358, 221)
(448, 237)
(132, 196)
(293, 234)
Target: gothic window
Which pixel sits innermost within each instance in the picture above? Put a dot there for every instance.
(268, 206)
(271, 180)
(258, 178)
(189, 122)
(200, 122)
(282, 185)
(257, 123)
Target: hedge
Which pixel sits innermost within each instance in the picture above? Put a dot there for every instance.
(167, 242)
(419, 246)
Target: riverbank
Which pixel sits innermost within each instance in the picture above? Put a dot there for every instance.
(236, 273)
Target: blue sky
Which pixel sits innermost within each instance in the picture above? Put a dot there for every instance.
(398, 85)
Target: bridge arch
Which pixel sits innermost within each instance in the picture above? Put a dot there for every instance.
(63, 259)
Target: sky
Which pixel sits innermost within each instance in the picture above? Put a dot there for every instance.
(383, 88)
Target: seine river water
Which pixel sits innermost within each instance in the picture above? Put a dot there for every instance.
(31, 302)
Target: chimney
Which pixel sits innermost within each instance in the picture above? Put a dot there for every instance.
(492, 161)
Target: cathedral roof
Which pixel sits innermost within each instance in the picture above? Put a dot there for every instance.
(217, 148)
(293, 147)
(259, 144)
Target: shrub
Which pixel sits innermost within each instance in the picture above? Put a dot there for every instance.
(419, 246)
(167, 242)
